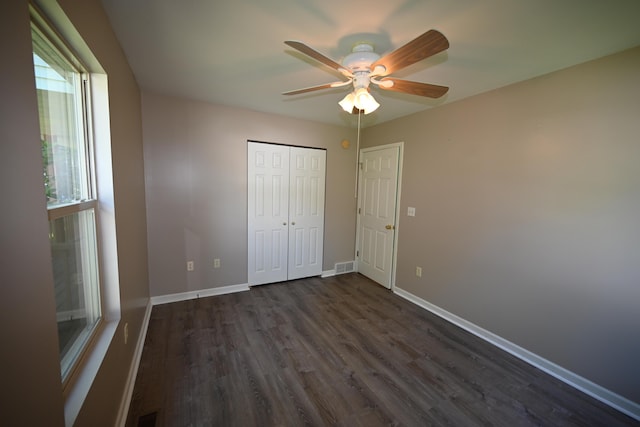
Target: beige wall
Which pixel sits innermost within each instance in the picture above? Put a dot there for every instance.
(196, 175)
(31, 388)
(31, 392)
(528, 208)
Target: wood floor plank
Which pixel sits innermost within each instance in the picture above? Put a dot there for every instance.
(339, 351)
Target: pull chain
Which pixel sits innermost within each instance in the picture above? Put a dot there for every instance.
(358, 154)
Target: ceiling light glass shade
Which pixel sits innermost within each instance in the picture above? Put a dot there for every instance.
(360, 99)
(347, 102)
(364, 101)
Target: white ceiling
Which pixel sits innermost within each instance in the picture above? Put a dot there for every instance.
(232, 52)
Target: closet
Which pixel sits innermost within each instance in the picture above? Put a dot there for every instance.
(286, 187)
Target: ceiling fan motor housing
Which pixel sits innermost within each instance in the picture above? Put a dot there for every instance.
(361, 79)
(360, 58)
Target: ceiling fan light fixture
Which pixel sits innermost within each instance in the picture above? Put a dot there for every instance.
(363, 100)
(348, 102)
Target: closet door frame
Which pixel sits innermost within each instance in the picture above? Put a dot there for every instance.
(285, 211)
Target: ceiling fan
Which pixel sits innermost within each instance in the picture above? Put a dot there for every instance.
(363, 66)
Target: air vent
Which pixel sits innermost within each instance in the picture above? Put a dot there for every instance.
(344, 267)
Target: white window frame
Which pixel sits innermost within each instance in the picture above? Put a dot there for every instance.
(90, 248)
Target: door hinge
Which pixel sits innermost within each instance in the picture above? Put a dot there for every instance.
(357, 253)
(359, 210)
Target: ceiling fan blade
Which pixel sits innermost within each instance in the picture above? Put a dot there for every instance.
(413, 88)
(420, 48)
(301, 47)
(314, 88)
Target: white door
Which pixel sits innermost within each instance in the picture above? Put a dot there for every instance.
(285, 212)
(377, 213)
(306, 211)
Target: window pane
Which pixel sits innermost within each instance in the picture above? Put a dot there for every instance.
(59, 88)
(75, 270)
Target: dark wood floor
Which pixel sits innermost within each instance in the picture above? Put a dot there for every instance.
(337, 351)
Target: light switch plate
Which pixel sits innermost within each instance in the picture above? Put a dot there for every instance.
(411, 211)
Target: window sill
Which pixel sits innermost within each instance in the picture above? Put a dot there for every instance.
(81, 385)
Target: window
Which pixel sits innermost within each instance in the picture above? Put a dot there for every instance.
(63, 91)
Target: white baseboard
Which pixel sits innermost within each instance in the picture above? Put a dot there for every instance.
(328, 273)
(594, 390)
(133, 369)
(183, 296)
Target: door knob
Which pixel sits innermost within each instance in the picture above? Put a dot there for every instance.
(293, 223)
(284, 223)
(389, 227)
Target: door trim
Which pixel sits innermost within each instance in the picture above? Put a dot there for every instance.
(394, 254)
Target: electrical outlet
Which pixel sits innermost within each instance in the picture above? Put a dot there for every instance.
(190, 266)
(419, 271)
(216, 263)
(126, 333)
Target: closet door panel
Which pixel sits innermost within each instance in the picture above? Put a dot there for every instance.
(306, 214)
(268, 210)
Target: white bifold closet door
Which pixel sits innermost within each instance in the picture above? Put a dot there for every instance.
(285, 212)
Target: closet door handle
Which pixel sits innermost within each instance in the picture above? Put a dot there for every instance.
(293, 223)
(284, 223)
